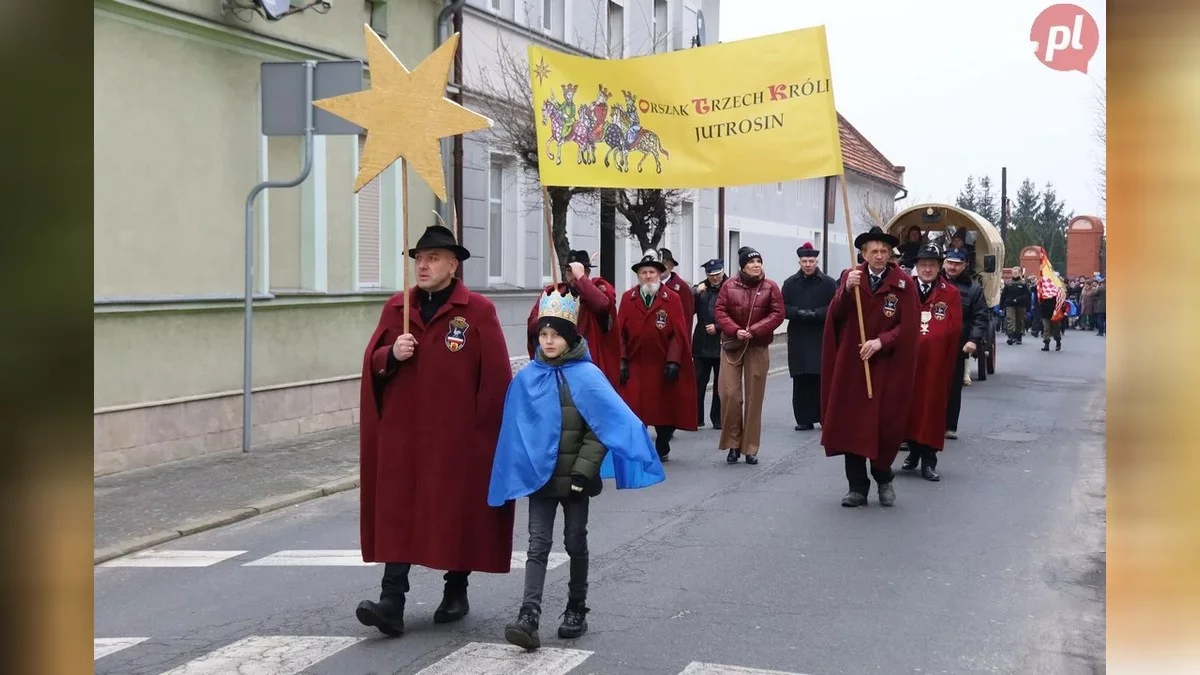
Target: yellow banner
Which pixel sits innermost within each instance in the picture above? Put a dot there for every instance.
(738, 113)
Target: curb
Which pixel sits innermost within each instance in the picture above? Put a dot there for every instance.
(265, 505)
(223, 518)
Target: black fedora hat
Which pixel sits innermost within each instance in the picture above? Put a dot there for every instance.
(580, 257)
(876, 233)
(649, 258)
(439, 236)
(667, 257)
(931, 252)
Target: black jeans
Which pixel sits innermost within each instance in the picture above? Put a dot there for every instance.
(925, 454)
(856, 473)
(954, 403)
(395, 580)
(542, 511)
(705, 366)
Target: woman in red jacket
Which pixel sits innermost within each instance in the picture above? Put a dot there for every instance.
(749, 309)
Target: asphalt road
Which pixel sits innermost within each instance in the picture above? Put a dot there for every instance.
(999, 568)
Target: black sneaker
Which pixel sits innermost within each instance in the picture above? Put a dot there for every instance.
(574, 621)
(524, 631)
(733, 456)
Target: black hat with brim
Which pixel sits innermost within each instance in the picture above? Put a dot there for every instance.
(713, 266)
(806, 250)
(439, 236)
(651, 260)
(876, 233)
(580, 257)
(930, 252)
(667, 257)
(959, 254)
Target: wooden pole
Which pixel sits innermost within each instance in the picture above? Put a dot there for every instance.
(550, 234)
(406, 264)
(862, 329)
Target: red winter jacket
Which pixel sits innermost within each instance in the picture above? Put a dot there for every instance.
(745, 300)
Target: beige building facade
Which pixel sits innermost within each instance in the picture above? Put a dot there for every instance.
(177, 149)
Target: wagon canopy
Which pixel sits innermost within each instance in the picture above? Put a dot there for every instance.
(938, 221)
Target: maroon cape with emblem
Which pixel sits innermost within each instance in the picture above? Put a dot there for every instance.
(686, 298)
(850, 422)
(937, 351)
(428, 436)
(597, 324)
(650, 338)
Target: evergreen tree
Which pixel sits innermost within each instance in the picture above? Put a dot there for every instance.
(985, 202)
(966, 198)
(1051, 227)
(1023, 228)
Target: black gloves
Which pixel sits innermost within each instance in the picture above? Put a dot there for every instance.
(624, 371)
(578, 486)
(671, 372)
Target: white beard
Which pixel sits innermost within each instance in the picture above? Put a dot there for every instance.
(651, 289)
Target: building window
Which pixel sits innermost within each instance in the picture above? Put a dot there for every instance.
(494, 5)
(660, 28)
(779, 188)
(616, 30)
(547, 15)
(369, 208)
(495, 253)
(689, 26)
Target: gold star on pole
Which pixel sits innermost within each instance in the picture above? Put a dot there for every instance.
(405, 113)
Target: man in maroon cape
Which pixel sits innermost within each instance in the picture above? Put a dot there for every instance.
(937, 353)
(658, 377)
(853, 425)
(671, 280)
(597, 316)
(430, 414)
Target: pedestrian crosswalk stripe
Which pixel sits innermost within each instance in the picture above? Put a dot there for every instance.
(698, 668)
(483, 658)
(329, 557)
(266, 655)
(102, 647)
(556, 559)
(172, 558)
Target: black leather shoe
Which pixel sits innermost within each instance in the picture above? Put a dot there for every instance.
(454, 606)
(804, 427)
(929, 474)
(854, 499)
(911, 462)
(751, 459)
(387, 615)
(733, 456)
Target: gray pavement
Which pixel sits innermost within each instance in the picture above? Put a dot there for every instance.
(999, 568)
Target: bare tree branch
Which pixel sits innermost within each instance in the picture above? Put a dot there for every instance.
(648, 212)
(1100, 131)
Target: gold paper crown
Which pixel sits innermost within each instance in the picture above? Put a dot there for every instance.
(557, 305)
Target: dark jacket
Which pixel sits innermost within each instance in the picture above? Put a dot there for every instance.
(705, 346)
(805, 302)
(975, 310)
(1015, 294)
(579, 451)
(755, 305)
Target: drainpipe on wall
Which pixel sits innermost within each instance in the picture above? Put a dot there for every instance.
(721, 223)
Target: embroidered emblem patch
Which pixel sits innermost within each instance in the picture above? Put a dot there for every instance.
(660, 319)
(456, 337)
(900, 283)
(939, 311)
(889, 305)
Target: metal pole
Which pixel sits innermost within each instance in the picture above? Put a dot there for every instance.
(306, 167)
(1004, 204)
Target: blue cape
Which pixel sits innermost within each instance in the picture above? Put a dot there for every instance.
(529, 434)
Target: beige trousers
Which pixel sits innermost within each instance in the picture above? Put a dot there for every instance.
(742, 386)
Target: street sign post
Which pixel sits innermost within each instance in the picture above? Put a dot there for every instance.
(288, 91)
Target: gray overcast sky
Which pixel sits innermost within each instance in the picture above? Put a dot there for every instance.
(950, 88)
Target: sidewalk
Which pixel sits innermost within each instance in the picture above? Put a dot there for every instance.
(139, 509)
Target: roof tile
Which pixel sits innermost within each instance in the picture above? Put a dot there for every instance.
(859, 155)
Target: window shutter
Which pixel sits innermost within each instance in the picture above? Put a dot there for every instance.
(368, 231)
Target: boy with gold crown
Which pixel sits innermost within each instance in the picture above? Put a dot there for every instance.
(564, 429)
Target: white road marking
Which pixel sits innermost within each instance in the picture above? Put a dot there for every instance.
(556, 559)
(480, 658)
(329, 557)
(102, 647)
(171, 558)
(266, 655)
(697, 668)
